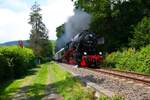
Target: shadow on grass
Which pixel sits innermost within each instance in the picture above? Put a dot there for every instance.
(31, 71)
(4, 85)
(69, 88)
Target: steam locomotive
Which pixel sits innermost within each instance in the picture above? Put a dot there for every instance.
(81, 50)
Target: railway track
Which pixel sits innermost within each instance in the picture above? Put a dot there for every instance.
(136, 77)
(109, 85)
(144, 79)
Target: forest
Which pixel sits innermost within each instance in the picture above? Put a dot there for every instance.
(125, 26)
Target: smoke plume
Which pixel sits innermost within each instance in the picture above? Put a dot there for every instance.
(77, 23)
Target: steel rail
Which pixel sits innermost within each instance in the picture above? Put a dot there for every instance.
(128, 72)
(109, 72)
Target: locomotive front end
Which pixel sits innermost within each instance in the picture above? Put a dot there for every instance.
(92, 60)
(88, 54)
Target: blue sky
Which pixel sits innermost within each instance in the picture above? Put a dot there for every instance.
(18, 5)
(14, 17)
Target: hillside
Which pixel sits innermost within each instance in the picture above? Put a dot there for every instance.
(25, 43)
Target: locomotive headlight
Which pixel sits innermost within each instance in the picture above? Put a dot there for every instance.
(100, 53)
(91, 35)
(85, 53)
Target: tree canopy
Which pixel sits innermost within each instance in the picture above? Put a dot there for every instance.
(141, 33)
(114, 19)
(60, 30)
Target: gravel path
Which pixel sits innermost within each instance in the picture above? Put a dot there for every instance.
(27, 86)
(127, 89)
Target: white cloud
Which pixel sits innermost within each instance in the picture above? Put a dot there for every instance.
(14, 24)
(55, 14)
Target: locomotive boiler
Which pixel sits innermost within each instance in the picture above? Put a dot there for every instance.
(81, 50)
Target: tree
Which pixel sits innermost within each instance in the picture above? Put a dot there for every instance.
(39, 42)
(60, 30)
(141, 33)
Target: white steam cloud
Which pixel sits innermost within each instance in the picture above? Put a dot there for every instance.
(77, 23)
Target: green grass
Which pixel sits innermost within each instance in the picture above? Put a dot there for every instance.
(111, 98)
(67, 85)
(47, 75)
(10, 88)
(37, 87)
(103, 98)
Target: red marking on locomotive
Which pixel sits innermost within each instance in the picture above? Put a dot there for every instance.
(90, 60)
(69, 56)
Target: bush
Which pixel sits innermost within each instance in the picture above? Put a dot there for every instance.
(112, 59)
(3, 68)
(131, 60)
(15, 61)
(144, 59)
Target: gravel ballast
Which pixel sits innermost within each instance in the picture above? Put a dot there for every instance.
(128, 89)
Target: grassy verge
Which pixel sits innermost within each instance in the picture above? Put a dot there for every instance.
(66, 85)
(112, 98)
(48, 77)
(36, 90)
(10, 88)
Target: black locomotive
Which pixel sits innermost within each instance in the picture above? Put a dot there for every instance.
(81, 50)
